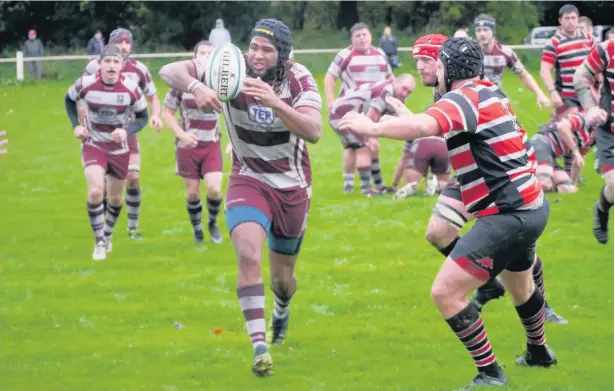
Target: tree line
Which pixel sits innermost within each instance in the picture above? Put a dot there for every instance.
(160, 25)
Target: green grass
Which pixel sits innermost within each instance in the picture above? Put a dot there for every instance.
(362, 319)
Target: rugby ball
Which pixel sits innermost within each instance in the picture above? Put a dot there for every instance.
(226, 71)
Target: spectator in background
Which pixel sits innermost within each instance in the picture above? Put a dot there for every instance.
(388, 44)
(219, 35)
(609, 34)
(34, 48)
(96, 44)
(461, 32)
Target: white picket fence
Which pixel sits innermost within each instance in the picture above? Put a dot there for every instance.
(19, 58)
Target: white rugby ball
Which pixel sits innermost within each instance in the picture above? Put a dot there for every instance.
(226, 71)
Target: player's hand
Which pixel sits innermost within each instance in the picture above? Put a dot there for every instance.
(359, 123)
(556, 99)
(81, 132)
(156, 123)
(577, 159)
(262, 91)
(189, 140)
(398, 106)
(206, 99)
(229, 149)
(386, 118)
(543, 101)
(119, 135)
(3, 143)
(596, 115)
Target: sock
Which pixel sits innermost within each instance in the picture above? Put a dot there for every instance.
(133, 206)
(252, 303)
(532, 315)
(195, 212)
(469, 328)
(280, 304)
(376, 175)
(111, 215)
(604, 205)
(537, 274)
(96, 212)
(213, 207)
(446, 251)
(348, 180)
(364, 176)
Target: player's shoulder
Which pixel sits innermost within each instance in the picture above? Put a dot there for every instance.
(299, 70)
(87, 80)
(505, 49)
(93, 66)
(140, 66)
(345, 52)
(129, 84)
(378, 50)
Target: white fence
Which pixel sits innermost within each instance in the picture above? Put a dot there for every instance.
(19, 59)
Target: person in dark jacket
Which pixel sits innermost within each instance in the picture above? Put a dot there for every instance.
(96, 44)
(33, 47)
(388, 44)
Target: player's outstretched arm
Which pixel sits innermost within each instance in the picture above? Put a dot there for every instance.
(408, 127)
(530, 82)
(179, 75)
(582, 84)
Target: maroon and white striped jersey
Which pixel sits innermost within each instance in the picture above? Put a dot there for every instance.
(355, 68)
(487, 149)
(499, 58)
(134, 70)
(192, 119)
(600, 60)
(566, 54)
(362, 99)
(108, 107)
(263, 147)
(581, 133)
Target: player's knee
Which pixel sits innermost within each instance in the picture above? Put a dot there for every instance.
(95, 194)
(440, 293)
(114, 199)
(193, 195)
(440, 233)
(283, 287)
(214, 192)
(132, 180)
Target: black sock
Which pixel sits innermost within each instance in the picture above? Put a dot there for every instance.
(532, 315)
(195, 211)
(213, 207)
(446, 251)
(376, 174)
(469, 328)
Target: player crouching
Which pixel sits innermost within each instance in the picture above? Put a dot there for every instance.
(110, 99)
(570, 138)
(370, 99)
(198, 152)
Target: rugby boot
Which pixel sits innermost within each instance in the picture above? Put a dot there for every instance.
(407, 190)
(278, 327)
(214, 233)
(493, 289)
(99, 254)
(483, 380)
(553, 317)
(199, 237)
(135, 234)
(431, 186)
(372, 193)
(108, 243)
(537, 356)
(601, 224)
(262, 363)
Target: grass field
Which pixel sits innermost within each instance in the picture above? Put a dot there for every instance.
(363, 318)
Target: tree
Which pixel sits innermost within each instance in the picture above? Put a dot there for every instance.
(348, 15)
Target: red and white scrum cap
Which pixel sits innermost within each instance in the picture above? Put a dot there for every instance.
(428, 46)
